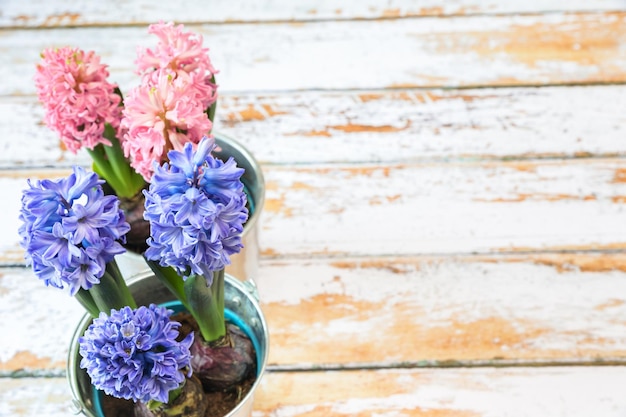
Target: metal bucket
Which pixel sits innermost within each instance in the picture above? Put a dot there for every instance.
(243, 265)
(241, 298)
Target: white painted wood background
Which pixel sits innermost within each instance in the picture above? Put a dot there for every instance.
(444, 229)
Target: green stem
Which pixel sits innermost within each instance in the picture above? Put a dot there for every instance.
(86, 300)
(112, 292)
(103, 168)
(171, 280)
(130, 181)
(154, 405)
(217, 289)
(204, 307)
(210, 111)
(120, 283)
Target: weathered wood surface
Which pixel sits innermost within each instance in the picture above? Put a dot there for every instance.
(518, 50)
(572, 392)
(410, 226)
(542, 308)
(548, 308)
(443, 208)
(429, 208)
(380, 126)
(42, 13)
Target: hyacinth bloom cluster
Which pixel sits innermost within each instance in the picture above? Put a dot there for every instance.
(78, 100)
(170, 106)
(183, 54)
(196, 207)
(133, 354)
(161, 115)
(71, 230)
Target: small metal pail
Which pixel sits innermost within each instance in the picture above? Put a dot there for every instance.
(244, 264)
(241, 299)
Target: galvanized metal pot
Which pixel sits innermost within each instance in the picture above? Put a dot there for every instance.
(241, 299)
(244, 264)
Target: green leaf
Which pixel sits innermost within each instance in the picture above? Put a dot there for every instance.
(102, 167)
(171, 280)
(130, 183)
(86, 300)
(112, 292)
(210, 111)
(204, 308)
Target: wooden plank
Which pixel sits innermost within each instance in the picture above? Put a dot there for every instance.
(449, 393)
(384, 126)
(39, 322)
(439, 311)
(572, 392)
(41, 13)
(457, 310)
(35, 397)
(426, 52)
(446, 208)
(443, 208)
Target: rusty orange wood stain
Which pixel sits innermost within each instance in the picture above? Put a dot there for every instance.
(536, 197)
(393, 96)
(583, 263)
(391, 13)
(403, 266)
(62, 19)
(328, 410)
(269, 252)
(271, 112)
(582, 39)
(317, 393)
(610, 304)
(277, 206)
(22, 19)
(559, 248)
(27, 360)
(620, 176)
(562, 262)
(313, 133)
(248, 114)
(565, 262)
(360, 128)
(485, 338)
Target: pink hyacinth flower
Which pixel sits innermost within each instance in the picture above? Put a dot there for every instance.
(161, 114)
(77, 98)
(181, 52)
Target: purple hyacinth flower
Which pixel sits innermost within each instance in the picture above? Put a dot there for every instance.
(71, 230)
(133, 354)
(196, 207)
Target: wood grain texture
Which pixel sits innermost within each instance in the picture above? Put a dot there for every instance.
(569, 392)
(429, 208)
(443, 208)
(379, 126)
(444, 393)
(41, 13)
(484, 50)
(383, 312)
(524, 309)
(40, 336)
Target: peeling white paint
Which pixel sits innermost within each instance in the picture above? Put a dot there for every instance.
(401, 126)
(350, 55)
(36, 320)
(67, 12)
